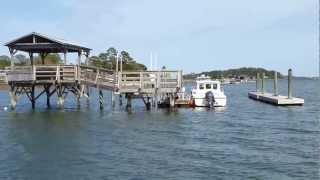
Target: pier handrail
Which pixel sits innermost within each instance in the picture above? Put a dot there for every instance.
(124, 81)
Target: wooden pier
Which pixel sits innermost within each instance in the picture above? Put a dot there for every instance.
(275, 98)
(62, 79)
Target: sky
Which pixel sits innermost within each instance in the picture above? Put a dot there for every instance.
(189, 35)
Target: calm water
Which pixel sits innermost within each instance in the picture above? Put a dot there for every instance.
(246, 140)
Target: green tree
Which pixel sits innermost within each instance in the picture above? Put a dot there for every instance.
(53, 59)
(21, 60)
(126, 58)
(4, 61)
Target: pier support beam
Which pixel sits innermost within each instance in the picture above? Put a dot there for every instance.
(112, 99)
(101, 102)
(172, 100)
(47, 89)
(33, 100)
(13, 97)
(129, 101)
(60, 92)
(120, 100)
(147, 102)
(290, 84)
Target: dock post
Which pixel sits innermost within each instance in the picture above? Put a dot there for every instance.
(172, 100)
(47, 89)
(60, 91)
(112, 99)
(262, 83)
(33, 100)
(258, 82)
(120, 100)
(13, 97)
(289, 83)
(129, 101)
(88, 94)
(275, 85)
(100, 99)
(148, 104)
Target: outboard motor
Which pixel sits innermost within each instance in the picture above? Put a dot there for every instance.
(210, 99)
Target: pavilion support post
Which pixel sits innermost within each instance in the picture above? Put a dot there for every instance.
(12, 53)
(79, 58)
(43, 57)
(31, 58)
(65, 57)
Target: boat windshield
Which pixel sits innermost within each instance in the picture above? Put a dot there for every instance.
(201, 86)
(208, 86)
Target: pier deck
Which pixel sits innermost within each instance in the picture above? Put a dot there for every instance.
(276, 100)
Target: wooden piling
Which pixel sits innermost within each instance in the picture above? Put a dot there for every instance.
(101, 99)
(275, 85)
(112, 99)
(33, 100)
(13, 97)
(258, 82)
(262, 83)
(129, 101)
(47, 89)
(289, 83)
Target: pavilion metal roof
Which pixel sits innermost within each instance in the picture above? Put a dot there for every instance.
(40, 43)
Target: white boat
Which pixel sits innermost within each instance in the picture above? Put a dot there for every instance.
(208, 93)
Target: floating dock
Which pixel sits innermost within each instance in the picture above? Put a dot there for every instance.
(275, 98)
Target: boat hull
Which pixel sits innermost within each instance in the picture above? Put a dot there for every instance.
(202, 102)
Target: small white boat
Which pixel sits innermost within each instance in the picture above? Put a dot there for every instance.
(208, 93)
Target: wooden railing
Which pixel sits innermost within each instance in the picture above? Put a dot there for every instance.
(98, 76)
(147, 81)
(43, 73)
(126, 81)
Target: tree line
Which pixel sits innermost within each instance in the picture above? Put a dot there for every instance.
(21, 60)
(107, 60)
(247, 72)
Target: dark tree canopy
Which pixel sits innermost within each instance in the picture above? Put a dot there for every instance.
(234, 73)
(108, 60)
